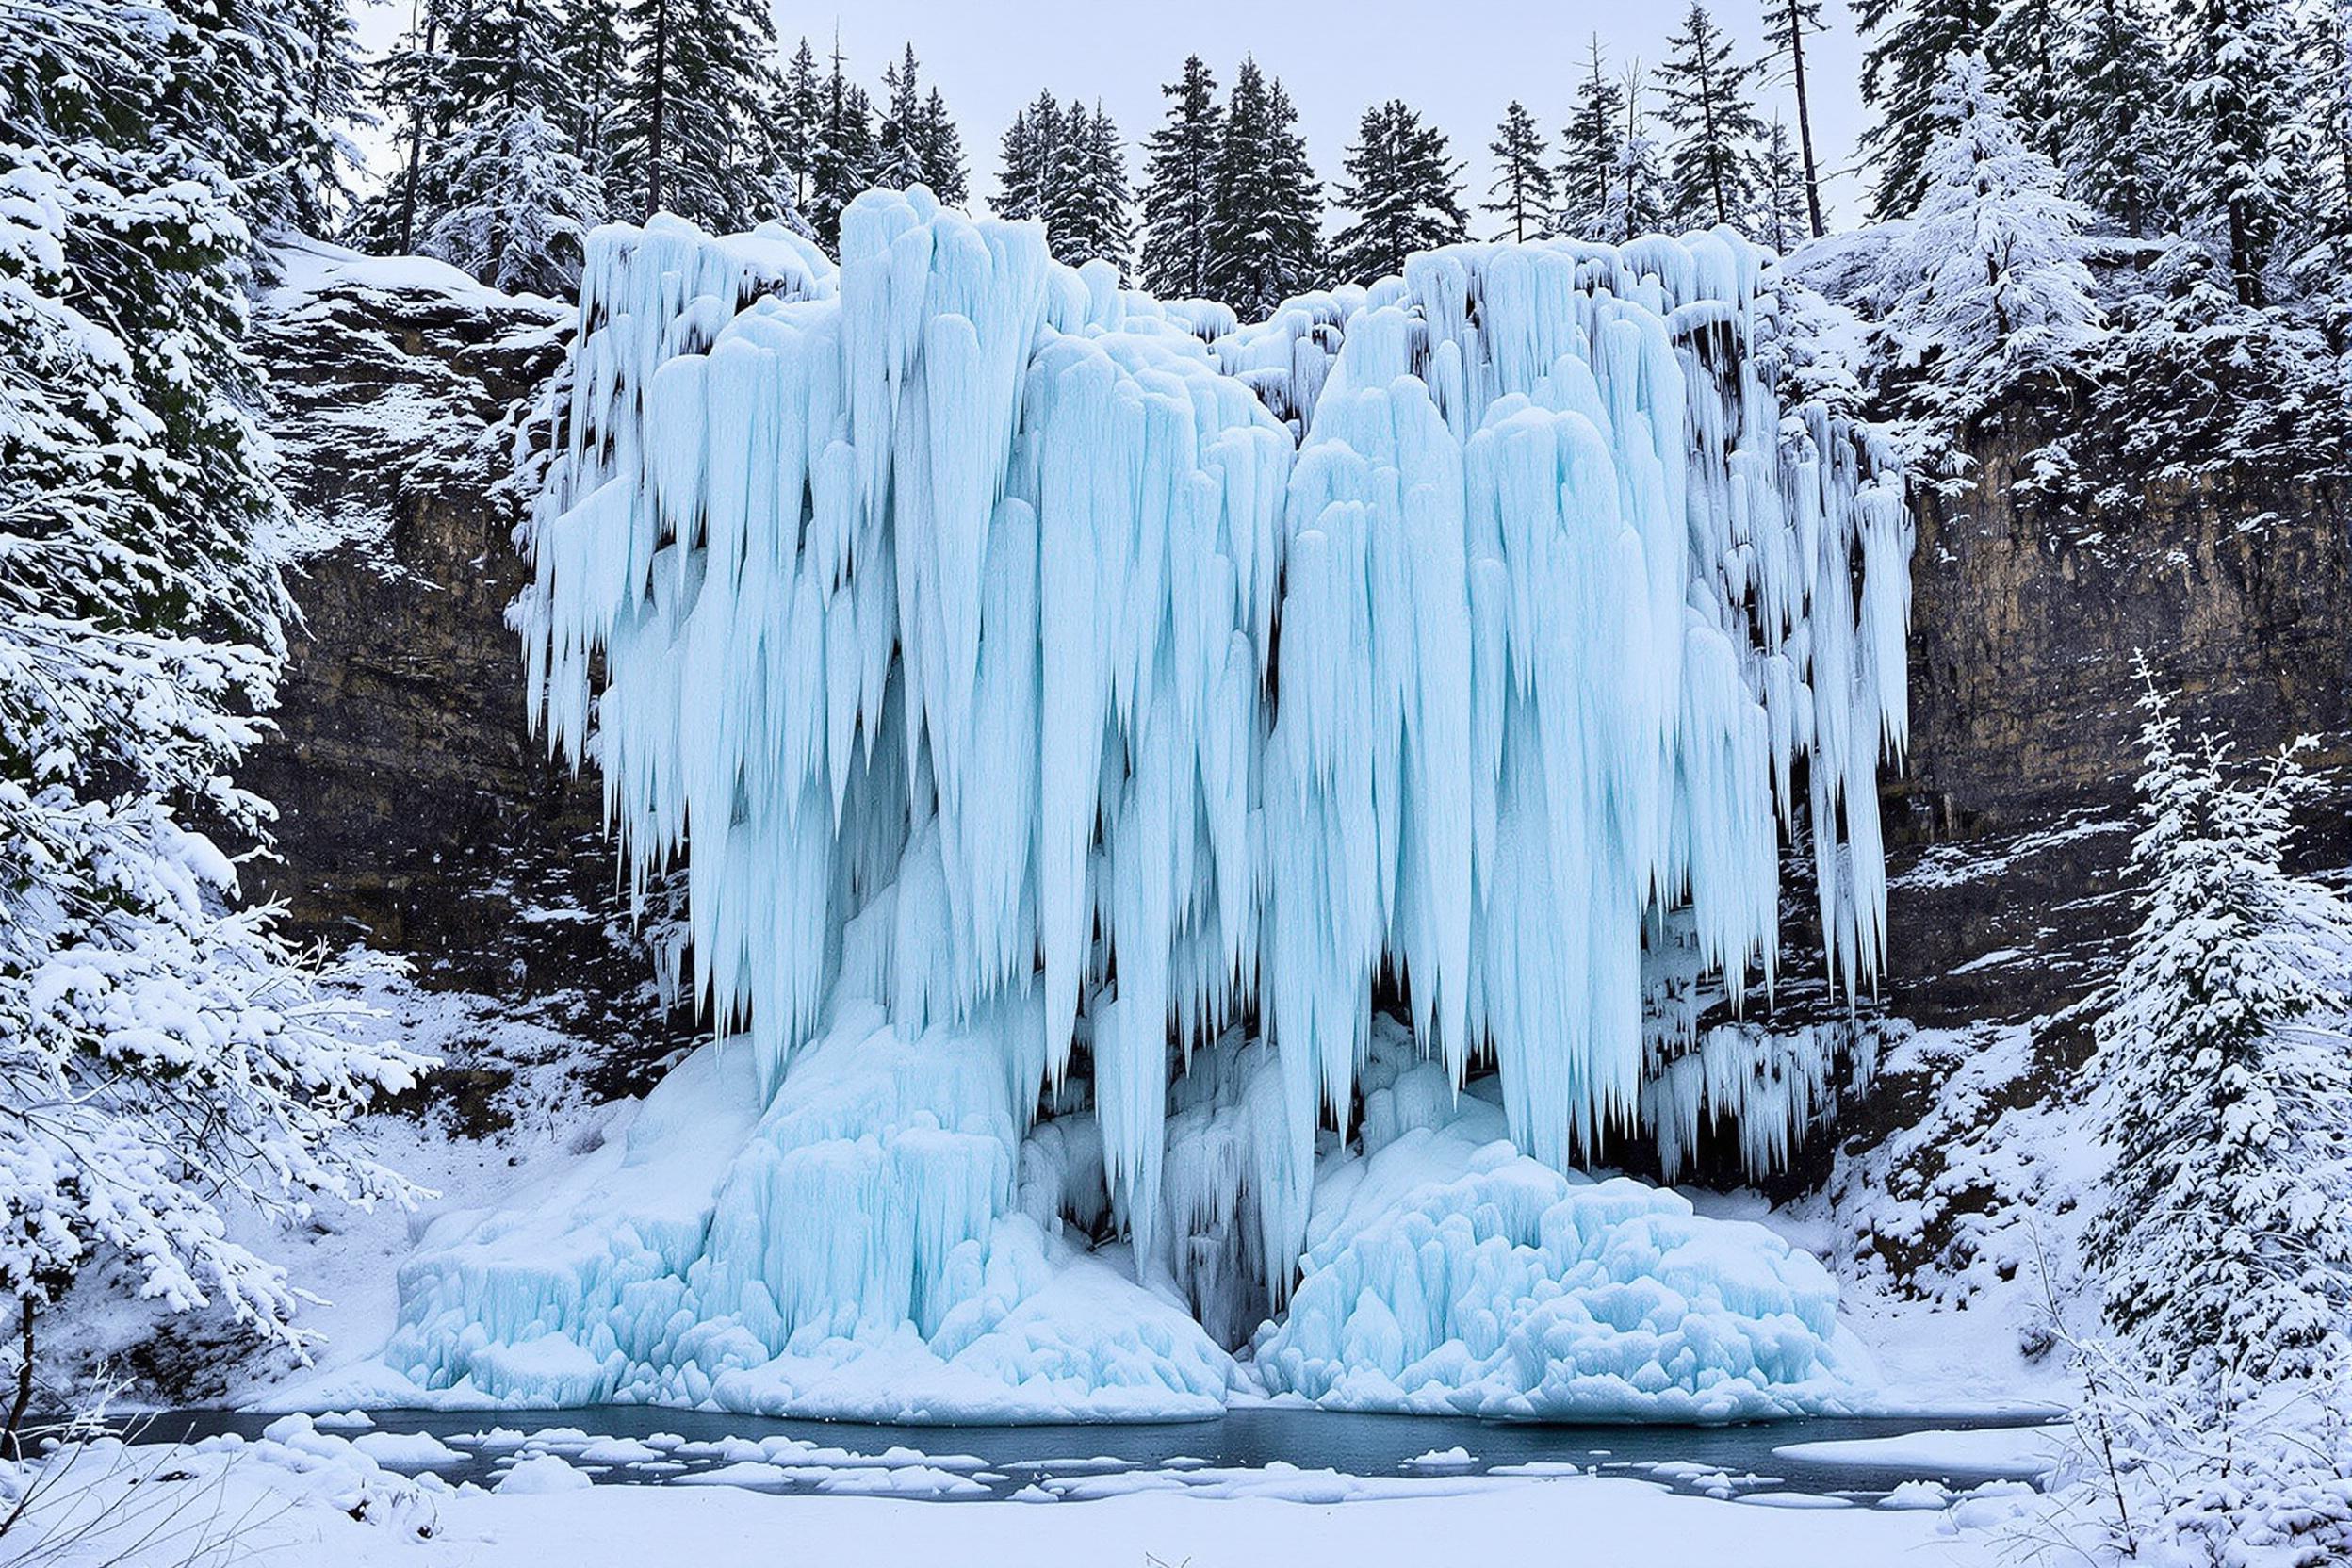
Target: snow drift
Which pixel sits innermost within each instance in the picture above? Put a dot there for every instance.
(1069, 711)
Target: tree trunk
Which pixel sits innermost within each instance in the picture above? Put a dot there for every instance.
(415, 151)
(23, 1400)
(1804, 122)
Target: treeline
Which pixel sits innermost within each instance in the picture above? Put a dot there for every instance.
(522, 122)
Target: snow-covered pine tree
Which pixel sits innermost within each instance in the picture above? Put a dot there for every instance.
(940, 147)
(2222, 1068)
(1782, 217)
(519, 204)
(840, 156)
(2114, 144)
(694, 129)
(2234, 174)
(412, 84)
(1638, 186)
(1267, 228)
(1713, 128)
(163, 1054)
(2322, 265)
(1088, 206)
(1987, 284)
(898, 145)
(503, 195)
(334, 93)
(1910, 41)
(1404, 189)
(1180, 187)
(1786, 25)
(2024, 51)
(1523, 194)
(1032, 155)
(1590, 149)
(592, 56)
(799, 121)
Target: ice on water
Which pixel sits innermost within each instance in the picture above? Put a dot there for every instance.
(1066, 712)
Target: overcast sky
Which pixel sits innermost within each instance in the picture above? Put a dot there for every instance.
(1459, 61)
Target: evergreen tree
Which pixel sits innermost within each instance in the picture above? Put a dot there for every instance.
(1404, 190)
(516, 206)
(940, 147)
(334, 93)
(165, 1055)
(592, 56)
(2024, 50)
(1782, 217)
(1910, 41)
(1180, 187)
(1591, 149)
(2223, 1067)
(1031, 155)
(1522, 191)
(799, 118)
(841, 158)
(1988, 282)
(1638, 186)
(1712, 125)
(1267, 223)
(1787, 24)
(2234, 176)
(2113, 143)
(413, 80)
(1088, 205)
(2323, 250)
(696, 132)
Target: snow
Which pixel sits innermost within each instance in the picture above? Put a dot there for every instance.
(2021, 1452)
(938, 594)
(309, 1498)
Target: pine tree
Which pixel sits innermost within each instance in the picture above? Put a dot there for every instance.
(516, 206)
(2113, 143)
(1910, 41)
(593, 56)
(2223, 1066)
(165, 1055)
(1787, 24)
(1712, 125)
(1180, 187)
(696, 132)
(1782, 217)
(1522, 191)
(840, 159)
(940, 148)
(2023, 49)
(1267, 223)
(799, 118)
(1404, 190)
(898, 148)
(1591, 146)
(1989, 283)
(1031, 155)
(1089, 207)
(413, 81)
(1638, 186)
(335, 94)
(2234, 177)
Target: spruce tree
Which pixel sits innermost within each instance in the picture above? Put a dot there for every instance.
(1180, 187)
(1638, 186)
(939, 146)
(799, 119)
(2222, 1068)
(2024, 50)
(1267, 223)
(515, 204)
(1590, 148)
(1523, 192)
(1910, 41)
(841, 158)
(1787, 24)
(2234, 174)
(1782, 217)
(2112, 145)
(695, 133)
(1031, 157)
(593, 56)
(1989, 283)
(1088, 206)
(1712, 127)
(1404, 190)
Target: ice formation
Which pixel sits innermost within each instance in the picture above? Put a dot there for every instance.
(1072, 713)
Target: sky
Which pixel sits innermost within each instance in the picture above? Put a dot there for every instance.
(1457, 61)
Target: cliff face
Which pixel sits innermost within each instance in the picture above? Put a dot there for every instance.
(419, 813)
(2012, 812)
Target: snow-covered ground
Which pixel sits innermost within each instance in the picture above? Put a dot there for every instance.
(309, 1495)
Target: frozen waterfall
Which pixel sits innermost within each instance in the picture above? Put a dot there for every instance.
(1072, 713)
